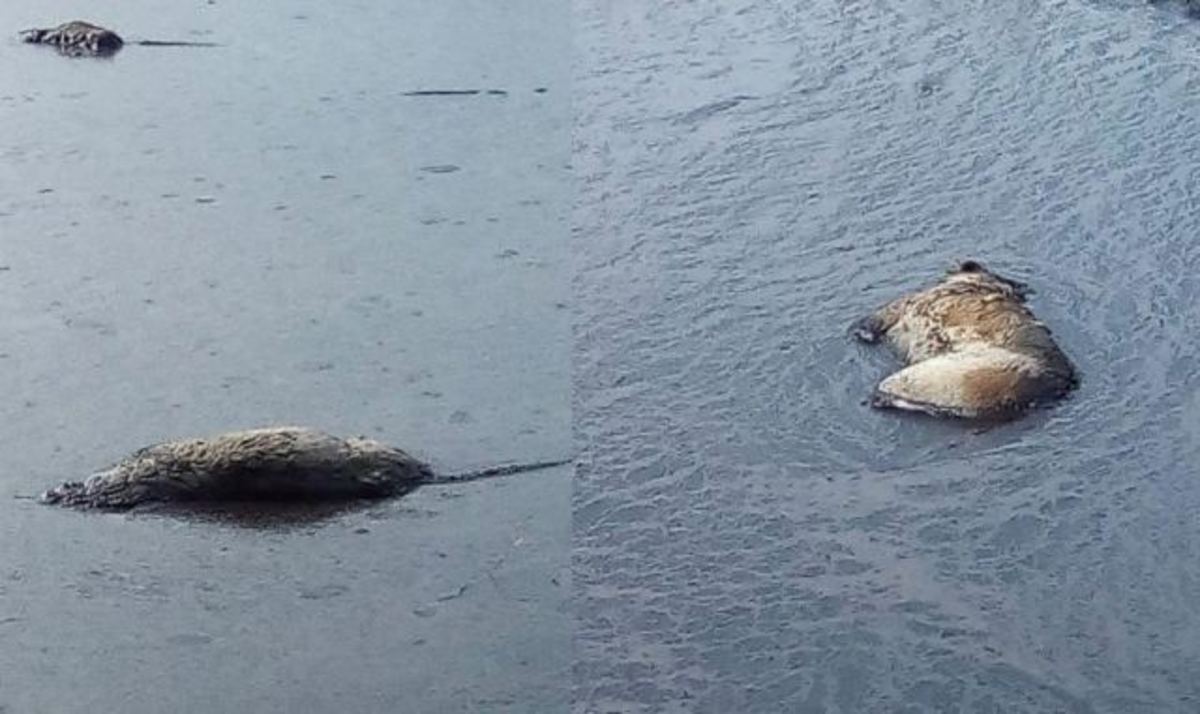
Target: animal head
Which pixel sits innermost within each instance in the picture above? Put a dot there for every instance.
(975, 272)
(33, 35)
(378, 455)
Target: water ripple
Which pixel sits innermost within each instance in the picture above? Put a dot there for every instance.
(755, 176)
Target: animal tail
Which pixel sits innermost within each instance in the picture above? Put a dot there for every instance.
(453, 92)
(505, 470)
(171, 43)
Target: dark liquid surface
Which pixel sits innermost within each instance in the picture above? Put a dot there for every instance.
(749, 536)
(199, 239)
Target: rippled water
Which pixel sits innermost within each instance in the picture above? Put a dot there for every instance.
(752, 177)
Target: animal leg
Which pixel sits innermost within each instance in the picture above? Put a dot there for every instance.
(984, 382)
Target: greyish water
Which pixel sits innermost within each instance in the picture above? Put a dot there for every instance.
(752, 177)
(270, 231)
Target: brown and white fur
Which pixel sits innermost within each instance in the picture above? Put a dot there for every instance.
(972, 347)
(268, 464)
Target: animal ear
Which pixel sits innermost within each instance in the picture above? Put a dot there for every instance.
(970, 266)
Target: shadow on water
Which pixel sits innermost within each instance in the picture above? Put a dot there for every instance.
(278, 517)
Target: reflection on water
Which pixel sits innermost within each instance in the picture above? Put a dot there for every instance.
(274, 517)
(754, 177)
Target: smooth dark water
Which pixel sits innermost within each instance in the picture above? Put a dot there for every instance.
(753, 176)
(271, 231)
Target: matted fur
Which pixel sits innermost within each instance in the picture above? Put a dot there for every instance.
(973, 348)
(276, 464)
(76, 38)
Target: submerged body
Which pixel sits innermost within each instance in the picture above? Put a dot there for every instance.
(77, 38)
(286, 463)
(972, 347)
(83, 39)
(272, 464)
